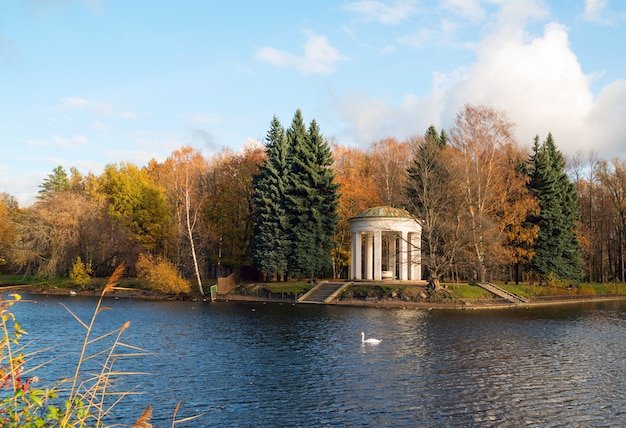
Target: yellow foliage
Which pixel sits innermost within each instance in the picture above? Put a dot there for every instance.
(81, 272)
(161, 275)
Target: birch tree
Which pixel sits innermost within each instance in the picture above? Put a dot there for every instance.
(480, 134)
(186, 168)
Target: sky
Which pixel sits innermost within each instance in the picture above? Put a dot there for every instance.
(86, 83)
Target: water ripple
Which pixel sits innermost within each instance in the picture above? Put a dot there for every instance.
(283, 365)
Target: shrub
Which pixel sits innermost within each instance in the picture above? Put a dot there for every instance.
(161, 275)
(81, 273)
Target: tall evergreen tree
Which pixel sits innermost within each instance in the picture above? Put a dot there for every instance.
(296, 202)
(327, 197)
(301, 200)
(558, 252)
(270, 242)
(430, 197)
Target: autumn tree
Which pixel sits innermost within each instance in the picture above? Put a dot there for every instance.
(139, 204)
(50, 233)
(612, 177)
(516, 205)
(481, 135)
(389, 162)
(357, 192)
(557, 247)
(228, 213)
(9, 210)
(183, 176)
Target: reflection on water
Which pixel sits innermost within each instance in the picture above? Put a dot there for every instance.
(301, 365)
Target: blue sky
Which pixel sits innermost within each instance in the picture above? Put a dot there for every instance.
(85, 83)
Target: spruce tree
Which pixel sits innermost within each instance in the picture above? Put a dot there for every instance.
(301, 199)
(557, 247)
(296, 202)
(270, 242)
(327, 196)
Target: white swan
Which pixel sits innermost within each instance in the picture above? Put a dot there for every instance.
(371, 340)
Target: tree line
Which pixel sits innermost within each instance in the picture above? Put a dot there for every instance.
(489, 209)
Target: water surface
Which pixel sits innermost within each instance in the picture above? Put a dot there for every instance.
(303, 365)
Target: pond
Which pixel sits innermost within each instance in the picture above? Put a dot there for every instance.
(254, 364)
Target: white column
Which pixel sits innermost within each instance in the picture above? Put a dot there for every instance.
(393, 261)
(415, 260)
(356, 255)
(369, 256)
(404, 273)
(378, 247)
(418, 243)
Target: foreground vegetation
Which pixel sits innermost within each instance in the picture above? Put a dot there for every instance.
(86, 399)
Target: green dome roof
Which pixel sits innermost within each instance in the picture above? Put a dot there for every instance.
(384, 211)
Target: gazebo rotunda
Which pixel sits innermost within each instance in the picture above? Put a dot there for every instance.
(386, 244)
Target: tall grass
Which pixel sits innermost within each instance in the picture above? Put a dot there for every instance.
(89, 398)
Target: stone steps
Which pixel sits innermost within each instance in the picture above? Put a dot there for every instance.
(513, 298)
(323, 293)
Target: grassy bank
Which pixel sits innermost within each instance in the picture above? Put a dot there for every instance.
(291, 290)
(413, 292)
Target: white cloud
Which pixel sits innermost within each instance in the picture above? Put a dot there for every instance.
(22, 186)
(366, 116)
(71, 142)
(470, 9)
(129, 115)
(606, 121)
(319, 56)
(594, 10)
(77, 103)
(539, 83)
(536, 79)
(95, 6)
(136, 157)
(100, 126)
(376, 11)
(98, 108)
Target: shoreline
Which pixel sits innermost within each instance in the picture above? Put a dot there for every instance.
(131, 293)
(399, 304)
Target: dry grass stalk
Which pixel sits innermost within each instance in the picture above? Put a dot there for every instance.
(142, 422)
(92, 393)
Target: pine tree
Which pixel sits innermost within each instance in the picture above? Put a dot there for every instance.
(56, 182)
(270, 242)
(557, 247)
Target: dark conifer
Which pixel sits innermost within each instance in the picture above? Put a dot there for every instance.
(296, 202)
(326, 197)
(557, 247)
(270, 243)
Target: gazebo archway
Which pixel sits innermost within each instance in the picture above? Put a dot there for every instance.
(386, 244)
